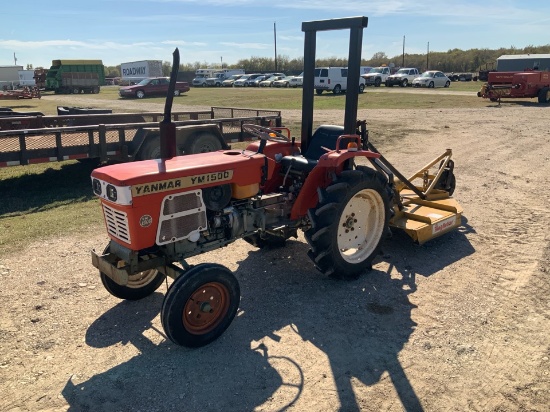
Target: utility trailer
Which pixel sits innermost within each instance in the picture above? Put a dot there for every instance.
(198, 131)
(514, 85)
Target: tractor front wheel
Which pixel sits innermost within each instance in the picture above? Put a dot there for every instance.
(200, 305)
(348, 223)
(139, 286)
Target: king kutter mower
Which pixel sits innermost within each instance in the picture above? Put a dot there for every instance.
(158, 213)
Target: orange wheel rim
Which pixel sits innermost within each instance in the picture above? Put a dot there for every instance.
(205, 308)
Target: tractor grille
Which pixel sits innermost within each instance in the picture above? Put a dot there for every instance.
(181, 215)
(117, 223)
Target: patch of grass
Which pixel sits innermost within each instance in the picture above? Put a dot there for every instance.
(44, 200)
(48, 107)
(281, 99)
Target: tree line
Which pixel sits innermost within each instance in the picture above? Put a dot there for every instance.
(455, 60)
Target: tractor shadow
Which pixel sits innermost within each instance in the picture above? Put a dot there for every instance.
(360, 325)
(35, 192)
(518, 103)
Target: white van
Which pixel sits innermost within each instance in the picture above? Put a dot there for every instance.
(334, 79)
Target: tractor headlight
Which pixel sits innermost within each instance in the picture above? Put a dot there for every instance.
(121, 195)
(96, 186)
(111, 193)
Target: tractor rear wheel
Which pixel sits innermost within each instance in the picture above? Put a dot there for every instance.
(348, 223)
(139, 286)
(200, 305)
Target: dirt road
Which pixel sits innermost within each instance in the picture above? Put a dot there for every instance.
(458, 324)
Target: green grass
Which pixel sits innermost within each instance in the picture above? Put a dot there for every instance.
(45, 200)
(53, 199)
(273, 98)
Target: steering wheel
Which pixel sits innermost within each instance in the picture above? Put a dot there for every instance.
(265, 133)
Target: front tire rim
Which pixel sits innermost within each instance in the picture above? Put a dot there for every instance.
(206, 308)
(360, 226)
(141, 279)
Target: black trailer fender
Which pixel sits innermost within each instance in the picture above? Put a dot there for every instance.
(189, 140)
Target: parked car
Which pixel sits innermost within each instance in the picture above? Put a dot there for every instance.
(229, 82)
(297, 81)
(270, 80)
(403, 77)
(283, 82)
(432, 78)
(154, 86)
(241, 80)
(376, 76)
(255, 82)
(247, 80)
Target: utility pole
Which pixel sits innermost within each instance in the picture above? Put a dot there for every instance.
(403, 62)
(428, 58)
(221, 60)
(275, 38)
(14, 59)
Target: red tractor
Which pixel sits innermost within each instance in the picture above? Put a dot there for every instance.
(158, 213)
(510, 85)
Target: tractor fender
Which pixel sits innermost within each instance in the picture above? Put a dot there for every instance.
(321, 176)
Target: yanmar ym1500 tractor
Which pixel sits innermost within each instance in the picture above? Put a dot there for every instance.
(158, 213)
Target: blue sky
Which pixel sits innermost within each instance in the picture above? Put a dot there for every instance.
(215, 31)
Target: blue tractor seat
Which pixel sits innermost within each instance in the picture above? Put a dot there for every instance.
(324, 136)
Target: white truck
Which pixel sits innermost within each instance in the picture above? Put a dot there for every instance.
(9, 76)
(26, 78)
(137, 71)
(217, 79)
(376, 76)
(403, 77)
(334, 79)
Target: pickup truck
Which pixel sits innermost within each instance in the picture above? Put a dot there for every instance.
(376, 76)
(403, 77)
(154, 86)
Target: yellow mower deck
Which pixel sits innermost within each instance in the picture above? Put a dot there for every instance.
(432, 214)
(423, 220)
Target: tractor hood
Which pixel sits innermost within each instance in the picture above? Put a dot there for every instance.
(182, 172)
